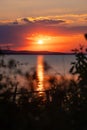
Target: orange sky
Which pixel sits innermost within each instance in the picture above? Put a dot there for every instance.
(54, 37)
(55, 43)
(60, 41)
(61, 25)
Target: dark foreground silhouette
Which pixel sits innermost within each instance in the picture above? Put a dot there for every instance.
(61, 107)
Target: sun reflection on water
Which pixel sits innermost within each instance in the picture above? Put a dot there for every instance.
(40, 74)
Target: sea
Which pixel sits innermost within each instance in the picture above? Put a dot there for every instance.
(43, 65)
(60, 64)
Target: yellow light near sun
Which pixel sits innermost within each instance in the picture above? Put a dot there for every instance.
(40, 41)
(43, 39)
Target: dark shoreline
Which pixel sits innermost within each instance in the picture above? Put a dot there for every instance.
(8, 52)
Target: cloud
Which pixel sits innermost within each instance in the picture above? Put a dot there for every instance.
(26, 20)
(43, 21)
(15, 22)
(49, 21)
(69, 19)
(13, 35)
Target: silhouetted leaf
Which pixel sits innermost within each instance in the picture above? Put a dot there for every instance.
(71, 70)
(12, 64)
(85, 35)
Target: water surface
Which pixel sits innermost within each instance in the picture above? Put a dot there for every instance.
(59, 63)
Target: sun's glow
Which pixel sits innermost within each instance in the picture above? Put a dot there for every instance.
(43, 42)
(40, 73)
(40, 41)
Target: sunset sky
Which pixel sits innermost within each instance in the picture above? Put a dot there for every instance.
(43, 25)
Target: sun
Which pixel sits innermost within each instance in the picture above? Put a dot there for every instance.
(40, 41)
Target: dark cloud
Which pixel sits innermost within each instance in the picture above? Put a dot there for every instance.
(15, 22)
(26, 20)
(43, 21)
(10, 34)
(77, 29)
(49, 21)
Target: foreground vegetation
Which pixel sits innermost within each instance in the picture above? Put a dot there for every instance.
(62, 106)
